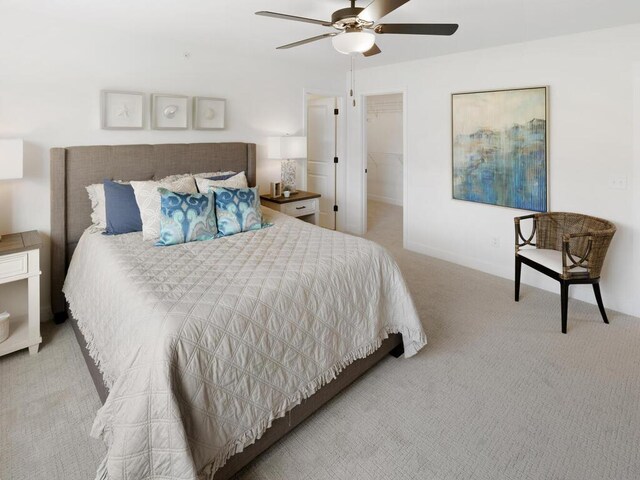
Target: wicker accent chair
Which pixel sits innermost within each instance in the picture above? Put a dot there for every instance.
(568, 247)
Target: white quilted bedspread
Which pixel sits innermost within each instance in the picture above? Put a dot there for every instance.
(203, 345)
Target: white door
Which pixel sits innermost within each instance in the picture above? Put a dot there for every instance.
(321, 146)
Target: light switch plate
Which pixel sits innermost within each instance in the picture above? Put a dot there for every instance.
(618, 182)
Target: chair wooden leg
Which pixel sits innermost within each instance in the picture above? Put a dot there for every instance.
(564, 300)
(596, 290)
(518, 269)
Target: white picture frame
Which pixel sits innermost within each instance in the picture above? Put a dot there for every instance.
(121, 110)
(209, 113)
(169, 112)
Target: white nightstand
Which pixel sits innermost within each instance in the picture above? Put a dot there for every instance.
(20, 260)
(302, 205)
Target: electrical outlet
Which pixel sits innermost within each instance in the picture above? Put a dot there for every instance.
(618, 182)
(495, 242)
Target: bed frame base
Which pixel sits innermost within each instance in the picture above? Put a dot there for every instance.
(96, 376)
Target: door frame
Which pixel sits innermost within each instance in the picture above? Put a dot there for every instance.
(341, 140)
(404, 91)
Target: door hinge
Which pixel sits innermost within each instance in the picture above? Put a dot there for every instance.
(335, 208)
(335, 159)
(336, 111)
(366, 170)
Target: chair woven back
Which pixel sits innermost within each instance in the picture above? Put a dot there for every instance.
(552, 228)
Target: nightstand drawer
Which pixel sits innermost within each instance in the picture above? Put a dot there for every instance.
(303, 207)
(13, 265)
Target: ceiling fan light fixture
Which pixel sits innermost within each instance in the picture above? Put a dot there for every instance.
(353, 42)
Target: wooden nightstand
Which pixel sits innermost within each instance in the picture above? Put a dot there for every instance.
(19, 260)
(302, 205)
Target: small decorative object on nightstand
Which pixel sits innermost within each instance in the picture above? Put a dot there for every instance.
(302, 205)
(276, 189)
(20, 260)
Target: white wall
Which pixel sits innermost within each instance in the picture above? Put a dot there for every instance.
(52, 72)
(384, 148)
(592, 79)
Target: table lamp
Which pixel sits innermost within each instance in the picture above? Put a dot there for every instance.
(287, 149)
(11, 155)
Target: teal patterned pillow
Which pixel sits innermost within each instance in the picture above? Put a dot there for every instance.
(186, 217)
(237, 209)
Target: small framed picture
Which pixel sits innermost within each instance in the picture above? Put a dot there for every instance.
(276, 189)
(122, 110)
(169, 112)
(208, 113)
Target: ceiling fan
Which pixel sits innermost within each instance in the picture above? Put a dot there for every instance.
(355, 25)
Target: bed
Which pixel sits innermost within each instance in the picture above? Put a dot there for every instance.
(205, 354)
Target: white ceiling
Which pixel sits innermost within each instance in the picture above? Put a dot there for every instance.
(231, 25)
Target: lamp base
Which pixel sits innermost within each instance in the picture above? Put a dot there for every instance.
(288, 175)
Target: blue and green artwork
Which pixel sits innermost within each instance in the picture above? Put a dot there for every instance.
(500, 148)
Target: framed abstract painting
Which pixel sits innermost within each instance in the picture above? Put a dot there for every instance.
(500, 147)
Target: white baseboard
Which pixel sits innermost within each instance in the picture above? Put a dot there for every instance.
(465, 261)
(507, 271)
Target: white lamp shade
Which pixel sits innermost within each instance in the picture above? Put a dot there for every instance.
(353, 42)
(11, 155)
(281, 148)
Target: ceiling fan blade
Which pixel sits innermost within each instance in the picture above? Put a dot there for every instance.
(308, 40)
(375, 50)
(284, 16)
(379, 8)
(417, 28)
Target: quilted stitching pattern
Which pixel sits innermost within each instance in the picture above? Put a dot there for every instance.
(228, 335)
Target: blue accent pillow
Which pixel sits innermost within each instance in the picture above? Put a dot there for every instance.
(122, 212)
(237, 209)
(186, 217)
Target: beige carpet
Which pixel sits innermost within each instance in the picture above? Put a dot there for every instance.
(498, 393)
(47, 406)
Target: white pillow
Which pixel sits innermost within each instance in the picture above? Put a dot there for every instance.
(237, 181)
(173, 178)
(148, 200)
(98, 205)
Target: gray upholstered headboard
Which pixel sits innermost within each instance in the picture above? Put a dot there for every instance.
(74, 168)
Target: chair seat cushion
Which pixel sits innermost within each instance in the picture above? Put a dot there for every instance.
(552, 259)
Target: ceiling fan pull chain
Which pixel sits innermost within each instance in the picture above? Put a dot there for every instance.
(353, 79)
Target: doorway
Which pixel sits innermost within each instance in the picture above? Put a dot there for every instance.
(322, 125)
(384, 168)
